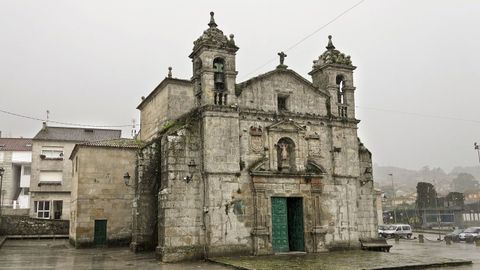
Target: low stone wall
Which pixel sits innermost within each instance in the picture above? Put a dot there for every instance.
(21, 225)
(15, 212)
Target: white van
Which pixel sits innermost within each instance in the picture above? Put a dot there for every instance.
(400, 230)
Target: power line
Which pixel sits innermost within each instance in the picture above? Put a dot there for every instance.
(421, 114)
(61, 123)
(307, 36)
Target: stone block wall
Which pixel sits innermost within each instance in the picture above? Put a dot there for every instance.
(21, 225)
(145, 203)
(101, 194)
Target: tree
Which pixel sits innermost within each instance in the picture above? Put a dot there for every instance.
(426, 195)
(455, 199)
(464, 182)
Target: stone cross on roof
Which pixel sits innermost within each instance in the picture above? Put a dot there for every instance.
(282, 59)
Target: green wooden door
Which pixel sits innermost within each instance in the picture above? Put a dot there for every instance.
(100, 232)
(279, 224)
(295, 224)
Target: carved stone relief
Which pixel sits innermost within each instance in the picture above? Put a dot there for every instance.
(256, 139)
(314, 147)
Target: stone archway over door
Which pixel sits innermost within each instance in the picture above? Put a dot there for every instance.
(287, 224)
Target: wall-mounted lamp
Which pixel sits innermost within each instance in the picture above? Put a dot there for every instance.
(191, 169)
(126, 178)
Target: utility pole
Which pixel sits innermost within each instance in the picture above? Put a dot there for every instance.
(393, 200)
(438, 210)
(477, 147)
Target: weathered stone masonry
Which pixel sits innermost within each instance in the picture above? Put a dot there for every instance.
(268, 165)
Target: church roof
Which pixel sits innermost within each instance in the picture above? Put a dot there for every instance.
(279, 69)
(332, 56)
(160, 86)
(214, 38)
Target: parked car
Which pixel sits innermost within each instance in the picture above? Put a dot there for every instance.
(469, 234)
(382, 228)
(454, 236)
(400, 230)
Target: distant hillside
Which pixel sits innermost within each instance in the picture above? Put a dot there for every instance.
(475, 171)
(406, 180)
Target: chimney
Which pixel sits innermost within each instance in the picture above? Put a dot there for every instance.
(0, 133)
(44, 126)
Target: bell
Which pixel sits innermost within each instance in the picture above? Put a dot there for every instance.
(218, 78)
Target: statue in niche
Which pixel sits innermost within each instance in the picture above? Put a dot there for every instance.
(285, 154)
(284, 151)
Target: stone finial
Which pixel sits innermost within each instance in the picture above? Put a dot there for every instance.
(212, 20)
(232, 41)
(169, 72)
(330, 43)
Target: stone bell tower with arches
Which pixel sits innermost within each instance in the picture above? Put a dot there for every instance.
(214, 73)
(333, 71)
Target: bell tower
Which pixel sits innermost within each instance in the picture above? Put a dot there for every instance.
(214, 73)
(333, 72)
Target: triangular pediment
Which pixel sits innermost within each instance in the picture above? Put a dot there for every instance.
(286, 126)
(284, 72)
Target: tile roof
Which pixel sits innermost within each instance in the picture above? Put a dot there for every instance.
(15, 144)
(115, 143)
(120, 143)
(76, 134)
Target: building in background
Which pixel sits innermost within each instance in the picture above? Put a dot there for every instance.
(101, 207)
(50, 184)
(15, 158)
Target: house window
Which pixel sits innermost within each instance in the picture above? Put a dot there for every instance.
(282, 103)
(26, 170)
(51, 176)
(52, 152)
(42, 209)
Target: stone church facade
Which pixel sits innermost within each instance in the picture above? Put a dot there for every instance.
(271, 164)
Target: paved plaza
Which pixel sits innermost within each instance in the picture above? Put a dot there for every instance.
(58, 254)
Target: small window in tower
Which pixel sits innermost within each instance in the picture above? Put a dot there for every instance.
(219, 74)
(340, 81)
(282, 103)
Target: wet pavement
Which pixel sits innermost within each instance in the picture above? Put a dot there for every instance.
(58, 254)
(434, 248)
(404, 253)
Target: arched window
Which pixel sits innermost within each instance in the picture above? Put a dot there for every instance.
(286, 155)
(219, 74)
(220, 97)
(340, 81)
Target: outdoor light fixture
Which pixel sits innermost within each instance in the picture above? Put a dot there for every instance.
(191, 169)
(126, 178)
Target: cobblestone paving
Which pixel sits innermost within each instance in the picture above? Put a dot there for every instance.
(58, 254)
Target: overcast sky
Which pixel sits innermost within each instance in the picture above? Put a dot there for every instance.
(90, 62)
